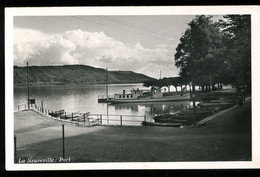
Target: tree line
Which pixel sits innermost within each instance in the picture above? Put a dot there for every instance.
(211, 53)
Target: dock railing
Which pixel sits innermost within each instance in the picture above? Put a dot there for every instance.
(88, 119)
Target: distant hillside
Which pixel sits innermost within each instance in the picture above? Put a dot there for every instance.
(73, 74)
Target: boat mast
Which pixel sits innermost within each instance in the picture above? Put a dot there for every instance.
(28, 101)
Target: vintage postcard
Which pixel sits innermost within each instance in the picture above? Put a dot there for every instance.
(132, 87)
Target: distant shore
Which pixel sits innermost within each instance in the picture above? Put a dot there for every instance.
(73, 84)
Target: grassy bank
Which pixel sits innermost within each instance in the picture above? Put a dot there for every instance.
(225, 138)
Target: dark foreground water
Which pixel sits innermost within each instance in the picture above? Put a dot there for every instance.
(85, 99)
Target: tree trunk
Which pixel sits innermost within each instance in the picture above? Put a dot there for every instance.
(176, 89)
(213, 86)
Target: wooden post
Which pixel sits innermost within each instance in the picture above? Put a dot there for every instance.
(121, 120)
(144, 118)
(101, 119)
(18, 107)
(60, 114)
(42, 107)
(71, 117)
(84, 118)
(15, 152)
(63, 144)
(25, 106)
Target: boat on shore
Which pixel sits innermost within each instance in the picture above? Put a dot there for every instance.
(68, 115)
(170, 120)
(56, 113)
(144, 123)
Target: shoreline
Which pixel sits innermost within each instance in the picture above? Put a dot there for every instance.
(94, 84)
(214, 141)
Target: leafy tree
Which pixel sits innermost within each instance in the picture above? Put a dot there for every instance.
(237, 31)
(198, 53)
(194, 54)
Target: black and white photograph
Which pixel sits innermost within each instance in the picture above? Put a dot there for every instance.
(151, 89)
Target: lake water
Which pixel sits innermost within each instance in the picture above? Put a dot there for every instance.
(85, 99)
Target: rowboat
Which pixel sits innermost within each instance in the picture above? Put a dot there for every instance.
(68, 115)
(82, 117)
(171, 120)
(144, 123)
(214, 104)
(172, 116)
(198, 111)
(56, 113)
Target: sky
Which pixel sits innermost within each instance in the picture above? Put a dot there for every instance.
(143, 44)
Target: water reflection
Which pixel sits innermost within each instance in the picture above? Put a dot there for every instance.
(85, 99)
(153, 108)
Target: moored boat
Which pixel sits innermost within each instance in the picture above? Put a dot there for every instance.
(68, 115)
(142, 96)
(170, 120)
(56, 113)
(161, 124)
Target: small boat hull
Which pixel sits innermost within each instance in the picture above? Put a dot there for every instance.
(161, 124)
(68, 116)
(56, 113)
(171, 120)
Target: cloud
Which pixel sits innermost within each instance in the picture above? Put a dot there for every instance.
(89, 48)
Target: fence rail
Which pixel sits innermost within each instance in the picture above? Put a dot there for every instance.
(88, 119)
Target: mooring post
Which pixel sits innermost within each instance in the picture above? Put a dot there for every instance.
(15, 152)
(42, 107)
(121, 120)
(63, 144)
